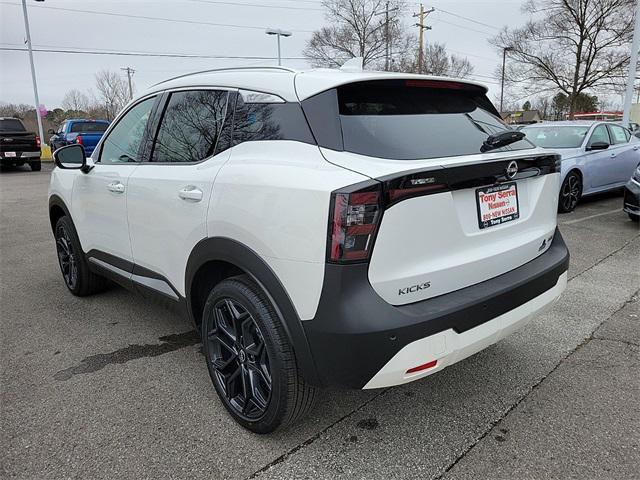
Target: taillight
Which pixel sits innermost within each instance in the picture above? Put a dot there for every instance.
(37, 141)
(414, 185)
(79, 139)
(354, 221)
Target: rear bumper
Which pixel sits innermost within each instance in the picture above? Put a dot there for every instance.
(632, 198)
(20, 157)
(358, 340)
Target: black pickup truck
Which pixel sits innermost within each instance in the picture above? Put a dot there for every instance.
(17, 146)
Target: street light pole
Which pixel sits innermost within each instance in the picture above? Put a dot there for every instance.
(635, 46)
(504, 61)
(279, 33)
(33, 69)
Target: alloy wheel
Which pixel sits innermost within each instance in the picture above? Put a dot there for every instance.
(571, 192)
(67, 257)
(239, 359)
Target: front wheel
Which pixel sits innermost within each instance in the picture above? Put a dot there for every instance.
(250, 360)
(570, 192)
(73, 264)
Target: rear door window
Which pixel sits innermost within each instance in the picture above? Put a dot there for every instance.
(618, 134)
(191, 126)
(406, 119)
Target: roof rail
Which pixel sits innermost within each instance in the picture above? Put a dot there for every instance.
(267, 67)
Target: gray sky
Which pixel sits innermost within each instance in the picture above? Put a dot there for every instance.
(57, 73)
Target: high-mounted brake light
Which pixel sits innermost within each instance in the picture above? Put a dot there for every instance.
(354, 222)
(79, 139)
(435, 84)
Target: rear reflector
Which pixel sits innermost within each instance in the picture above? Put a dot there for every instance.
(424, 366)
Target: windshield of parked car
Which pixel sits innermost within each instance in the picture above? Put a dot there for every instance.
(557, 136)
(407, 119)
(11, 125)
(88, 127)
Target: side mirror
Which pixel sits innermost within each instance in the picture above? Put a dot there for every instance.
(72, 157)
(598, 146)
(51, 131)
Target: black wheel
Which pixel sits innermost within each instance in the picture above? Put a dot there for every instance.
(634, 218)
(570, 192)
(35, 166)
(250, 360)
(77, 277)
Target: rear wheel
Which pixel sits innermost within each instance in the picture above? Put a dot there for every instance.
(250, 360)
(634, 218)
(73, 264)
(570, 192)
(35, 166)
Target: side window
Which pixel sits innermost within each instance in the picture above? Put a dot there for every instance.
(122, 144)
(62, 128)
(618, 134)
(191, 126)
(269, 121)
(599, 135)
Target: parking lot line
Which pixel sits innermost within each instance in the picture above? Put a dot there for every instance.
(578, 220)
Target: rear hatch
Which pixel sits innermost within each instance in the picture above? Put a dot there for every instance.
(451, 210)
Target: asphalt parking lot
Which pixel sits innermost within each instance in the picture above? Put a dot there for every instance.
(115, 385)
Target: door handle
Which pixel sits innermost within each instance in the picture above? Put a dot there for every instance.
(613, 155)
(635, 148)
(190, 193)
(116, 187)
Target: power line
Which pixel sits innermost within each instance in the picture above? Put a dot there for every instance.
(467, 19)
(146, 54)
(256, 5)
(145, 17)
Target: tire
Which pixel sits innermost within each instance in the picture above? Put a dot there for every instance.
(634, 218)
(35, 166)
(73, 264)
(570, 192)
(250, 360)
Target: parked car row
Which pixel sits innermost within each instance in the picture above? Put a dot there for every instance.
(596, 156)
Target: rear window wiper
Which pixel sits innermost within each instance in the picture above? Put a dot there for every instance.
(501, 139)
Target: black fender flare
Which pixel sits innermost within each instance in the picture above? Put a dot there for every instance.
(56, 201)
(228, 250)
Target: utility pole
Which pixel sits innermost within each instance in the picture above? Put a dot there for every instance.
(633, 62)
(387, 37)
(421, 16)
(130, 71)
(504, 62)
(33, 69)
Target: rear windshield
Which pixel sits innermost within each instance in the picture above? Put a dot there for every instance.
(406, 119)
(566, 136)
(88, 127)
(11, 125)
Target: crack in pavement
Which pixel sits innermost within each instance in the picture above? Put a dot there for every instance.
(626, 244)
(314, 437)
(534, 387)
(97, 362)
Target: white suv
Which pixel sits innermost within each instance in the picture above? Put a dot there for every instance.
(321, 227)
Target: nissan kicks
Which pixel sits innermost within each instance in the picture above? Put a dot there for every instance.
(323, 227)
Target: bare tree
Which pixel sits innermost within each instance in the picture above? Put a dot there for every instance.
(437, 62)
(76, 101)
(357, 28)
(113, 92)
(572, 46)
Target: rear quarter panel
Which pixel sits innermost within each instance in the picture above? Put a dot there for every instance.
(273, 197)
